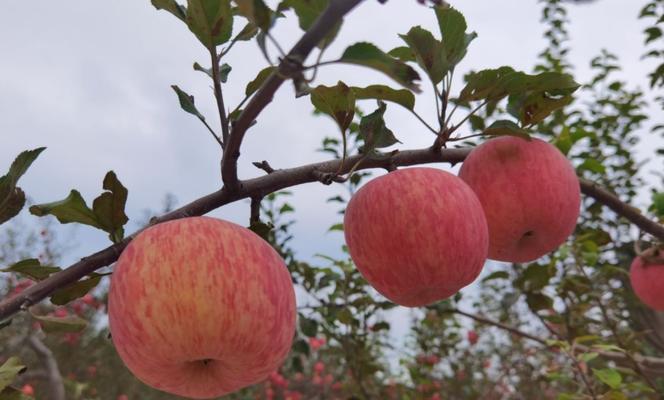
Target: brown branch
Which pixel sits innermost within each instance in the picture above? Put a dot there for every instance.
(612, 201)
(261, 186)
(55, 383)
(290, 64)
(653, 364)
(219, 96)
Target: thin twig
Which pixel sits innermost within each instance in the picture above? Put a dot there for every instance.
(219, 96)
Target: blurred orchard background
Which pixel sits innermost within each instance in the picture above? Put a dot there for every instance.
(91, 82)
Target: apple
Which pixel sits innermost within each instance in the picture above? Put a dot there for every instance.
(473, 337)
(28, 390)
(530, 194)
(417, 235)
(201, 307)
(646, 275)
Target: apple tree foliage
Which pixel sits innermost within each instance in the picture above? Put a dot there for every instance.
(564, 327)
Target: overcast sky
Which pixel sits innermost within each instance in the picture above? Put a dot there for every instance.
(91, 80)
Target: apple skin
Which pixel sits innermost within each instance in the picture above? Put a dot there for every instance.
(530, 194)
(646, 274)
(417, 235)
(201, 307)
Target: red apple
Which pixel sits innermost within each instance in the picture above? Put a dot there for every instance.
(28, 390)
(530, 194)
(646, 275)
(472, 337)
(418, 235)
(201, 307)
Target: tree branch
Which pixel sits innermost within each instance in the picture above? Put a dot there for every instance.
(290, 64)
(55, 382)
(278, 180)
(219, 96)
(653, 364)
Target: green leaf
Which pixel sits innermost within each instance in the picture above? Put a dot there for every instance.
(109, 207)
(172, 7)
(336, 101)
(247, 33)
(487, 84)
(224, 70)
(261, 229)
(380, 326)
(309, 327)
(368, 55)
(301, 347)
(373, 131)
(402, 97)
(67, 324)
(336, 227)
(10, 393)
(534, 277)
(71, 209)
(187, 102)
(587, 357)
(9, 370)
(534, 107)
(658, 204)
(256, 12)
(5, 323)
(345, 316)
(403, 53)
(210, 20)
(455, 40)
(75, 290)
(428, 52)
(258, 81)
(12, 198)
(307, 12)
(496, 275)
(538, 301)
(610, 377)
(32, 269)
(505, 127)
(593, 165)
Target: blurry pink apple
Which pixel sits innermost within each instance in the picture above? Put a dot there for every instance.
(530, 194)
(418, 235)
(647, 278)
(201, 307)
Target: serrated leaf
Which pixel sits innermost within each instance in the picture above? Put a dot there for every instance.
(75, 290)
(256, 12)
(67, 324)
(32, 269)
(428, 52)
(71, 209)
(309, 327)
(455, 40)
(403, 53)
(368, 55)
(610, 377)
(485, 84)
(210, 20)
(258, 80)
(534, 107)
(402, 97)
(172, 7)
(336, 101)
(373, 131)
(187, 102)
(12, 198)
(247, 33)
(9, 370)
(505, 127)
(109, 207)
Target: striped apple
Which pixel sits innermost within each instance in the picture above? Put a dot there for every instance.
(530, 195)
(200, 307)
(418, 235)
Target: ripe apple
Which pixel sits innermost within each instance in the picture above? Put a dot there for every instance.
(417, 235)
(28, 390)
(646, 275)
(473, 337)
(201, 307)
(530, 195)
